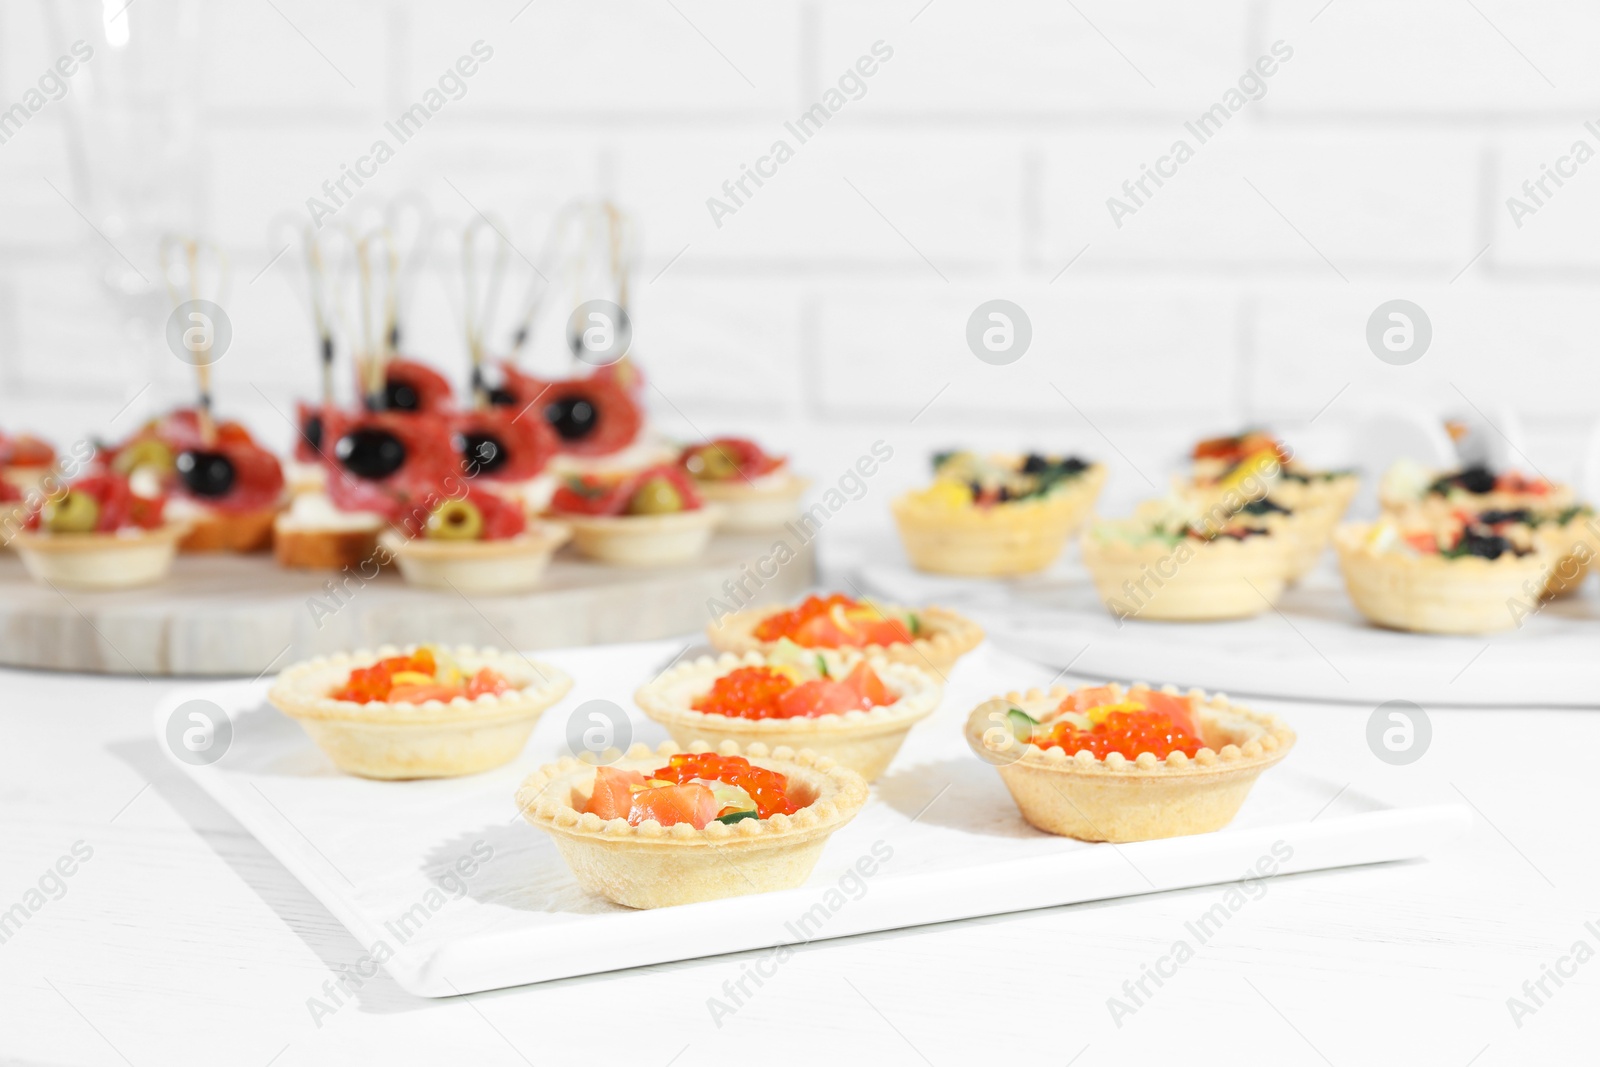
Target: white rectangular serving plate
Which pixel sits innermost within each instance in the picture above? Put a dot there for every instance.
(452, 892)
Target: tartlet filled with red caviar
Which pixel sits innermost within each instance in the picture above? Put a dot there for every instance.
(1456, 573)
(420, 712)
(996, 516)
(1174, 560)
(929, 638)
(1109, 763)
(755, 489)
(97, 533)
(672, 826)
(836, 703)
(642, 518)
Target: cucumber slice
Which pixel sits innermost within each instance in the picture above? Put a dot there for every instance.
(737, 816)
(1021, 723)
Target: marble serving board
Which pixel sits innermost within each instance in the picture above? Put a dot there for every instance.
(1314, 646)
(245, 615)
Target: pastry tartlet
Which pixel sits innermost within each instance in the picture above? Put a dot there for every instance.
(1256, 467)
(1443, 577)
(836, 704)
(1170, 562)
(930, 638)
(99, 534)
(1126, 764)
(650, 854)
(755, 491)
(995, 516)
(645, 518)
(1573, 535)
(474, 542)
(422, 712)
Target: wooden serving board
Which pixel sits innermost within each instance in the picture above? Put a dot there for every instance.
(244, 615)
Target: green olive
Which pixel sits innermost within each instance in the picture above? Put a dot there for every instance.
(455, 520)
(73, 513)
(712, 464)
(658, 496)
(147, 453)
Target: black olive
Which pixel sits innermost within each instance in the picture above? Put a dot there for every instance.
(398, 396)
(1265, 506)
(480, 453)
(501, 397)
(1073, 465)
(1477, 479)
(1495, 516)
(370, 454)
(1487, 545)
(573, 417)
(208, 474)
(1034, 463)
(311, 431)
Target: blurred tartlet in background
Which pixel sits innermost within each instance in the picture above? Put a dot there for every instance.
(996, 516)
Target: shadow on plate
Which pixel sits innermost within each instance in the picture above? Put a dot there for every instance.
(958, 794)
(517, 867)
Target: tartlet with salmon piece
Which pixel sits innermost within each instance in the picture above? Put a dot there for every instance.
(671, 826)
(756, 490)
(836, 703)
(996, 516)
(929, 638)
(420, 712)
(1114, 763)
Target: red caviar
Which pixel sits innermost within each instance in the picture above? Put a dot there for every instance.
(749, 693)
(1144, 721)
(772, 693)
(835, 621)
(379, 683)
(767, 788)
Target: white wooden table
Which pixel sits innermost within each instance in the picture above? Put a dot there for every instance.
(181, 941)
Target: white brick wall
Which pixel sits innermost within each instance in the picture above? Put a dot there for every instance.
(830, 309)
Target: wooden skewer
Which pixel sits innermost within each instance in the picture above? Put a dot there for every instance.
(316, 271)
(415, 253)
(192, 249)
(374, 362)
(477, 320)
(540, 286)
